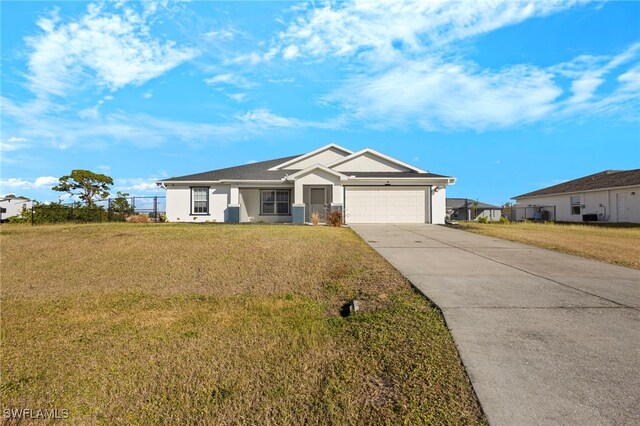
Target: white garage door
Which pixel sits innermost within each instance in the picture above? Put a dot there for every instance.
(386, 204)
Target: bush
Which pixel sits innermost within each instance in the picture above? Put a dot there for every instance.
(483, 219)
(504, 220)
(315, 218)
(334, 218)
(138, 218)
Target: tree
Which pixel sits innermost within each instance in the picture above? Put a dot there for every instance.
(85, 184)
(120, 206)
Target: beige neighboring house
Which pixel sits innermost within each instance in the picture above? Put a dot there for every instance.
(11, 205)
(609, 196)
(367, 186)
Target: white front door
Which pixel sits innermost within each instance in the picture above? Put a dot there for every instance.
(623, 207)
(384, 204)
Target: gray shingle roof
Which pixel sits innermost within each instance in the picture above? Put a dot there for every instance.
(254, 171)
(458, 203)
(602, 180)
(260, 171)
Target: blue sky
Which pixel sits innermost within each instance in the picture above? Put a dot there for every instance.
(506, 96)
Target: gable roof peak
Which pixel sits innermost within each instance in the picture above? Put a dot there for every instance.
(312, 153)
(378, 154)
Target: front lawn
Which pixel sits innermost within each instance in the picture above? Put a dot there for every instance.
(614, 244)
(220, 324)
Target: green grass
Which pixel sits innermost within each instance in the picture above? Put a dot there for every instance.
(220, 324)
(618, 244)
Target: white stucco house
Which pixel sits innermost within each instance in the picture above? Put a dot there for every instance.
(367, 186)
(608, 196)
(12, 206)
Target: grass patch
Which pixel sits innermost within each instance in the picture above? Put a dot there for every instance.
(619, 245)
(148, 324)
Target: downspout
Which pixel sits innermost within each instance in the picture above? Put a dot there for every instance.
(344, 204)
(431, 204)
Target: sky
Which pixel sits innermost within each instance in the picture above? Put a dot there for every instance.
(506, 96)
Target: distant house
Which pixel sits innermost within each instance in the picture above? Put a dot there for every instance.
(469, 209)
(608, 196)
(367, 186)
(11, 205)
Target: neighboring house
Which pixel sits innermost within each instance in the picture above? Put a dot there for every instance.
(368, 186)
(609, 196)
(469, 209)
(12, 206)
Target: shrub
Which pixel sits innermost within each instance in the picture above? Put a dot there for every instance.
(334, 218)
(138, 218)
(504, 220)
(315, 218)
(483, 219)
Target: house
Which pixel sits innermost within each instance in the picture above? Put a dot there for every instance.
(608, 196)
(469, 209)
(367, 186)
(11, 205)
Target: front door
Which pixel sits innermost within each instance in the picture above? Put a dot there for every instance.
(623, 207)
(318, 203)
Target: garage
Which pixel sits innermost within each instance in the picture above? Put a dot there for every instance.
(382, 204)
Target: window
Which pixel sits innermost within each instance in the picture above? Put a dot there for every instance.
(275, 202)
(199, 200)
(575, 204)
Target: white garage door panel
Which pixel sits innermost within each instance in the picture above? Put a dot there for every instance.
(386, 205)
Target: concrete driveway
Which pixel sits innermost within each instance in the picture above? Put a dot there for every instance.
(546, 338)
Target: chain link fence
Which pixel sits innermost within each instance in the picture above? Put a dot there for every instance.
(533, 213)
(118, 209)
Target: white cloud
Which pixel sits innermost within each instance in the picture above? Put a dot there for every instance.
(231, 80)
(45, 181)
(147, 95)
(135, 185)
(589, 73)
(405, 70)
(248, 58)
(291, 52)
(223, 34)
(115, 47)
(89, 113)
(264, 117)
(238, 97)
(19, 183)
(144, 130)
(446, 95)
(13, 144)
(379, 29)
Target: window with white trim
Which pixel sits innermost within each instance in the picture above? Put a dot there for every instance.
(575, 204)
(199, 200)
(276, 202)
